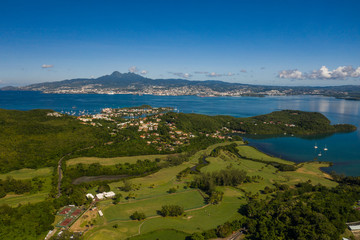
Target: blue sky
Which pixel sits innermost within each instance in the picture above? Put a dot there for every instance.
(257, 42)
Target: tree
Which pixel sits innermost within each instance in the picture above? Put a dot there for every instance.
(138, 216)
(131, 196)
(103, 188)
(127, 186)
(117, 198)
(172, 190)
(215, 197)
(171, 210)
(197, 236)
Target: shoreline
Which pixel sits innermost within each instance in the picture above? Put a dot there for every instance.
(274, 154)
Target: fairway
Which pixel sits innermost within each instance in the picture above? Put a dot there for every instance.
(162, 235)
(196, 220)
(251, 152)
(14, 200)
(151, 194)
(27, 173)
(269, 174)
(202, 219)
(115, 160)
(188, 200)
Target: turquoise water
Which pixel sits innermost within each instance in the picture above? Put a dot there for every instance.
(343, 149)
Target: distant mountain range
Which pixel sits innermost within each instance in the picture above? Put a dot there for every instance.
(131, 83)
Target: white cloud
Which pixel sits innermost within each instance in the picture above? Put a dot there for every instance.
(133, 69)
(356, 73)
(143, 72)
(340, 73)
(47, 66)
(292, 74)
(182, 75)
(214, 74)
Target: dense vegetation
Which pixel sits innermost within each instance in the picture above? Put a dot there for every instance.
(16, 186)
(26, 222)
(171, 210)
(138, 216)
(96, 169)
(305, 212)
(279, 122)
(34, 139)
(226, 177)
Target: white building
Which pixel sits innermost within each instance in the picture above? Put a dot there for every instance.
(100, 213)
(89, 195)
(109, 194)
(100, 196)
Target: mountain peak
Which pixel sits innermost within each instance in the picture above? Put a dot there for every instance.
(116, 74)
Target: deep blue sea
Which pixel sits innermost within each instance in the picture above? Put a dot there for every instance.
(343, 149)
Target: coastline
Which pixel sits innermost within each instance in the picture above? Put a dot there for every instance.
(261, 149)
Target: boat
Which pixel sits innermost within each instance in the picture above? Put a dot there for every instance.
(325, 148)
(315, 146)
(319, 154)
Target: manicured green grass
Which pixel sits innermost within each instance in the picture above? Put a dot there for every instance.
(310, 171)
(194, 220)
(155, 184)
(188, 200)
(202, 219)
(269, 174)
(162, 235)
(194, 159)
(152, 194)
(113, 161)
(251, 152)
(27, 173)
(108, 232)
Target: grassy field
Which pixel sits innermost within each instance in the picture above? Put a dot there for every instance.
(14, 199)
(188, 200)
(201, 219)
(194, 159)
(251, 152)
(269, 174)
(162, 235)
(151, 193)
(113, 161)
(27, 173)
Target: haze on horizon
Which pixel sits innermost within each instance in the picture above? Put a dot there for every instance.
(314, 43)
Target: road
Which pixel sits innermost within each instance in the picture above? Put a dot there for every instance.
(60, 169)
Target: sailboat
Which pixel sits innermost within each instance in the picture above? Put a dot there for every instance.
(319, 154)
(325, 148)
(315, 146)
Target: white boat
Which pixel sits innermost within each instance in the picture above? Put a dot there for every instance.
(325, 148)
(315, 146)
(319, 154)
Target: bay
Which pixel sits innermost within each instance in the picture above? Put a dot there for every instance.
(343, 148)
